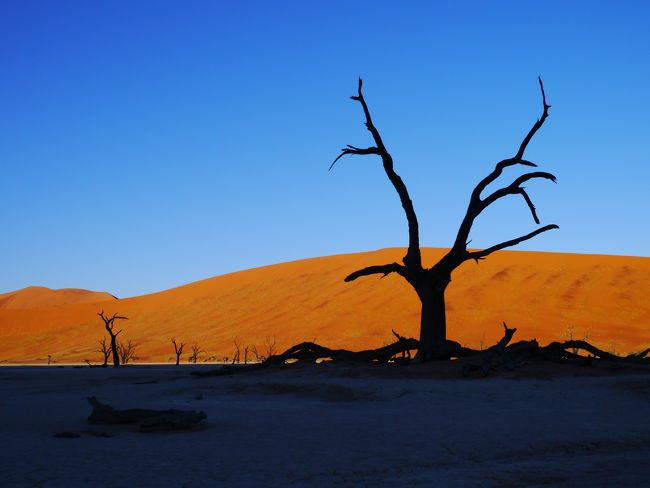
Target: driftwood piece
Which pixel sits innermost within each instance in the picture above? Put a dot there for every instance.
(149, 420)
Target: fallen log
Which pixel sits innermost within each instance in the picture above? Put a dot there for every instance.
(149, 420)
(312, 352)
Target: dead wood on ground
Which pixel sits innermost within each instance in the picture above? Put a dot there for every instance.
(149, 420)
(501, 356)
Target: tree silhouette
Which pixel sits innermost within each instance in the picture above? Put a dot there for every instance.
(178, 350)
(105, 349)
(196, 350)
(430, 283)
(127, 351)
(109, 323)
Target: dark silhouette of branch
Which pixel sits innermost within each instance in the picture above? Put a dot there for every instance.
(430, 284)
(178, 350)
(476, 255)
(412, 258)
(354, 150)
(477, 205)
(537, 125)
(383, 269)
(105, 349)
(196, 350)
(109, 324)
(235, 358)
(270, 346)
(127, 351)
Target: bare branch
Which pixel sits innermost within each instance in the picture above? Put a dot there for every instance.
(476, 255)
(529, 202)
(513, 189)
(354, 150)
(475, 205)
(498, 169)
(536, 126)
(384, 269)
(413, 257)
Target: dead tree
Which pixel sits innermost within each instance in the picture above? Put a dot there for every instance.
(246, 355)
(430, 283)
(109, 323)
(127, 351)
(105, 350)
(258, 357)
(178, 350)
(235, 358)
(270, 347)
(195, 354)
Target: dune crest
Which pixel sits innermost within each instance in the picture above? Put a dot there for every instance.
(42, 297)
(547, 296)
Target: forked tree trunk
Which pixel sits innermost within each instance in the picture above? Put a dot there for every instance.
(109, 323)
(430, 283)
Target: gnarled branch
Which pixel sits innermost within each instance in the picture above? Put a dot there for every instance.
(354, 150)
(413, 258)
(537, 125)
(513, 189)
(476, 255)
(383, 269)
(477, 205)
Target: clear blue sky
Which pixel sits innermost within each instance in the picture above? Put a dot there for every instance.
(144, 145)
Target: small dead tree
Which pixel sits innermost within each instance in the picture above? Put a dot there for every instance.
(246, 355)
(127, 351)
(178, 350)
(195, 354)
(105, 350)
(271, 350)
(235, 358)
(109, 323)
(430, 283)
(258, 357)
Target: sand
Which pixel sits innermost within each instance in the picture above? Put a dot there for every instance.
(326, 426)
(547, 296)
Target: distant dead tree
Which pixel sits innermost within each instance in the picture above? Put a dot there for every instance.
(430, 283)
(235, 358)
(246, 355)
(109, 323)
(178, 350)
(258, 358)
(127, 351)
(105, 350)
(195, 354)
(270, 347)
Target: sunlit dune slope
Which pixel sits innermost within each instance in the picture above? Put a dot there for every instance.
(545, 295)
(39, 297)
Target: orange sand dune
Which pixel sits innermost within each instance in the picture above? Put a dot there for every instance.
(41, 297)
(545, 295)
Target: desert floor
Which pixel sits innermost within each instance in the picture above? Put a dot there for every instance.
(330, 425)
